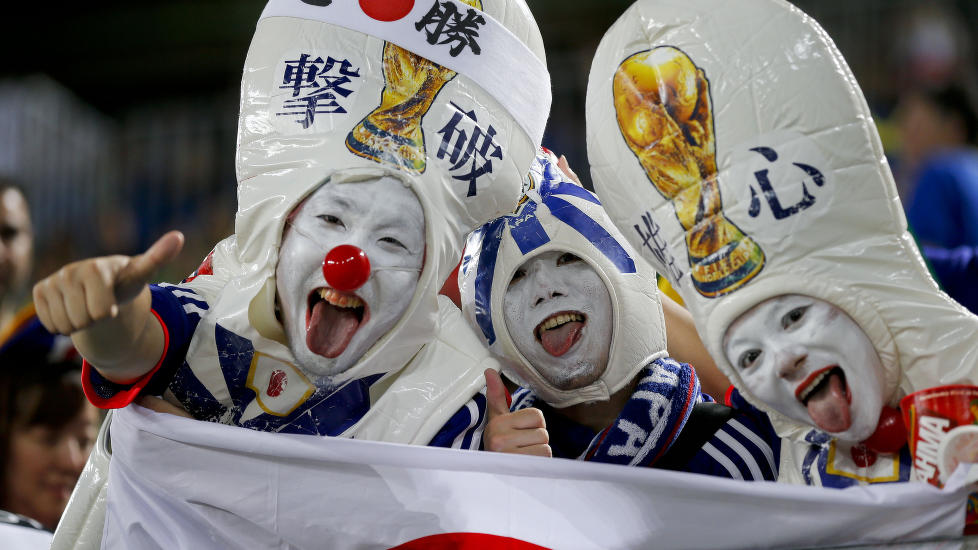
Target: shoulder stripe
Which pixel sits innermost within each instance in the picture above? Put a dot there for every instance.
(194, 309)
(475, 434)
(723, 460)
(756, 440)
(473, 411)
(183, 294)
(476, 443)
(745, 455)
(180, 291)
(521, 399)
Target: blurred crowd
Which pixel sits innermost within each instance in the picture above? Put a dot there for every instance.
(76, 183)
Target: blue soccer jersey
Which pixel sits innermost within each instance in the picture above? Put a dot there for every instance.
(229, 396)
(743, 446)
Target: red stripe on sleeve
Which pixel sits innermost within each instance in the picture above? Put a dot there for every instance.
(728, 395)
(128, 395)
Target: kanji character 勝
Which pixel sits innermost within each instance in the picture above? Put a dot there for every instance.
(444, 24)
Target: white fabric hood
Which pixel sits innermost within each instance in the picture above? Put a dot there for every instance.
(779, 186)
(557, 214)
(324, 97)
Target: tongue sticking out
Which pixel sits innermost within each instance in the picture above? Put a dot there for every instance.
(558, 340)
(330, 329)
(829, 405)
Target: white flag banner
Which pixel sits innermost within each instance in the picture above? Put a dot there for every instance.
(180, 483)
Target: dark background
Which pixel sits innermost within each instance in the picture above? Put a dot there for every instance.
(119, 118)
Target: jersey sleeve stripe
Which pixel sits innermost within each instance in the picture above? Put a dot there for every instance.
(756, 440)
(723, 460)
(194, 309)
(742, 452)
(473, 411)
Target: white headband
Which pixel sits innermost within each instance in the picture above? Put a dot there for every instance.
(486, 52)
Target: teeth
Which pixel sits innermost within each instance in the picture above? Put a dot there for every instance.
(811, 387)
(339, 299)
(561, 319)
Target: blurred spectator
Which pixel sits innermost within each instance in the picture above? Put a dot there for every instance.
(940, 165)
(931, 44)
(47, 427)
(956, 270)
(16, 243)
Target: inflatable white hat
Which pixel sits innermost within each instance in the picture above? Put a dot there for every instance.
(559, 215)
(449, 97)
(731, 144)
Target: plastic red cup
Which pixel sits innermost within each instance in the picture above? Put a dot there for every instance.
(942, 429)
(930, 415)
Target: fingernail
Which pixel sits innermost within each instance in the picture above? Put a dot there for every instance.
(114, 310)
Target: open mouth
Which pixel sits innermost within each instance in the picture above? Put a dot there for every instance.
(559, 332)
(827, 397)
(332, 318)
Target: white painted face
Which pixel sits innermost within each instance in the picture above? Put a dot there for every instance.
(807, 359)
(329, 330)
(558, 313)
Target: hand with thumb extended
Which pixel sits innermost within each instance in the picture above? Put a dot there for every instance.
(521, 432)
(566, 169)
(85, 292)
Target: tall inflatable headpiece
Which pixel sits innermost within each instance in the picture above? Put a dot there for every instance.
(450, 97)
(558, 215)
(730, 143)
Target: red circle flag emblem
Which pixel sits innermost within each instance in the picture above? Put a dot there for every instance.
(467, 541)
(386, 10)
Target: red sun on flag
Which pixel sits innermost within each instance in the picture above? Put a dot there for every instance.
(467, 541)
(386, 10)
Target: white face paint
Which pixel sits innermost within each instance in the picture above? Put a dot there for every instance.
(329, 330)
(811, 362)
(558, 312)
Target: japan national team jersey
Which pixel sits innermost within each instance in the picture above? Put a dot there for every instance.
(323, 411)
(828, 462)
(745, 446)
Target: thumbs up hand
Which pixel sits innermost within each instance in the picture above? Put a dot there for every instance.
(520, 432)
(105, 305)
(85, 292)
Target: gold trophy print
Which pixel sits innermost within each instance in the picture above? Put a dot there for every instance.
(392, 134)
(662, 101)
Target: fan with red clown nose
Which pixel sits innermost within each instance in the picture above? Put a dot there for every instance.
(371, 141)
(373, 136)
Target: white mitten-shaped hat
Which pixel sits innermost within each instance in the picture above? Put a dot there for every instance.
(447, 97)
(730, 143)
(558, 215)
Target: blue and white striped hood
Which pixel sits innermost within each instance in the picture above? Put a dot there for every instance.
(557, 214)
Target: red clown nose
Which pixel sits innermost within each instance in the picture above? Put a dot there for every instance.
(346, 267)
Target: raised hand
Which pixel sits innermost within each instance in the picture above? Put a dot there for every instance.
(520, 432)
(105, 305)
(85, 292)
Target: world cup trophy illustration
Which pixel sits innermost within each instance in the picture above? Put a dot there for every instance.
(391, 133)
(662, 102)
